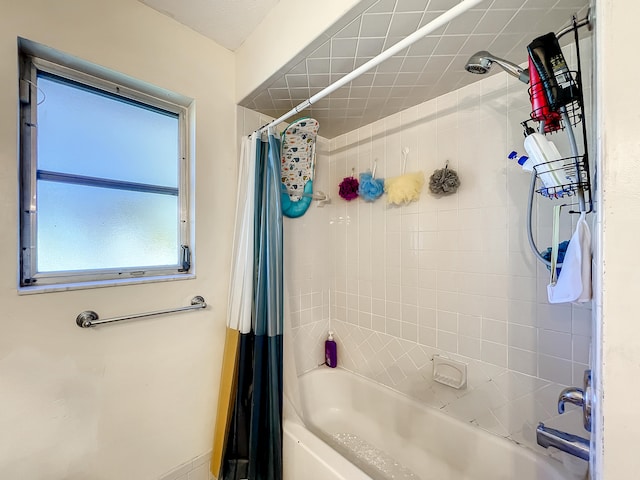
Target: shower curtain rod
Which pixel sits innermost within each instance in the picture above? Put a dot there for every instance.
(436, 23)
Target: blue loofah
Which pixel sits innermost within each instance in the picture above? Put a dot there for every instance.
(370, 188)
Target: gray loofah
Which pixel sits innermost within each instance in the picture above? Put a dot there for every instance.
(444, 181)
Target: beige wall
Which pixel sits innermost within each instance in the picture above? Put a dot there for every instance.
(620, 151)
(127, 401)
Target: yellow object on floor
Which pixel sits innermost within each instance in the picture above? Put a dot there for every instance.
(226, 398)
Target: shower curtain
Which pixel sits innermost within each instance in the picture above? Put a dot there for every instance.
(248, 433)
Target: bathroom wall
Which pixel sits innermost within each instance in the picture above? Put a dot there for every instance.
(618, 419)
(133, 400)
(454, 275)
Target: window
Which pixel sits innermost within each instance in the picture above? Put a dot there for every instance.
(103, 179)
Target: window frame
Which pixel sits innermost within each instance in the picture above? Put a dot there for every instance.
(83, 74)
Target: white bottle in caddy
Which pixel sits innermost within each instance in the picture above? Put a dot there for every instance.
(544, 155)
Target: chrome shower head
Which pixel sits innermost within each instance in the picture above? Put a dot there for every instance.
(481, 62)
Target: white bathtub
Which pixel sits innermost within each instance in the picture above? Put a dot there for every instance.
(399, 437)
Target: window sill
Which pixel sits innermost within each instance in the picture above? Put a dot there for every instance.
(102, 284)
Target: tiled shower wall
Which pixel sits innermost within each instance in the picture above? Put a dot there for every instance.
(454, 275)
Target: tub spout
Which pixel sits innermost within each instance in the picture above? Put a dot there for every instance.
(572, 444)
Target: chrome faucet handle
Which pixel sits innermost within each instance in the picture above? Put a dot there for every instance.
(572, 395)
(580, 397)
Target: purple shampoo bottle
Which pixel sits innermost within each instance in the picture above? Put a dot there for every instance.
(331, 351)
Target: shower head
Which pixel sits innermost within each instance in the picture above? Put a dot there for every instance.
(481, 62)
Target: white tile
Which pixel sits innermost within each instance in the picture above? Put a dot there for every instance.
(495, 308)
(555, 344)
(409, 294)
(494, 353)
(494, 331)
(470, 347)
(410, 331)
(427, 278)
(393, 293)
(522, 313)
(522, 288)
(448, 321)
(515, 385)
(555, 369)
(427, 336)
(581, 349)
(523, 337)
(470, 326)
(469, 304)
(476, 403)
(427, 298)
(410, 314)
(514, 415)
(554, 317)
(447, 341)
(448, 301)
(394, 327)
(523, 361)
(578, 373)
(581, 321)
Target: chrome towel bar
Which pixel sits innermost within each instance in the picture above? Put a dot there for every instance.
(89, 318)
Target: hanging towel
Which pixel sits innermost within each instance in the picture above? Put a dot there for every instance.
(574, 281)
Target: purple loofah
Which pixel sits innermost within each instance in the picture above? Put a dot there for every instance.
(349, 188)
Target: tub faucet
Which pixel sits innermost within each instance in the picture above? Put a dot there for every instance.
(572, 395)
(580, 397)
(572, 444)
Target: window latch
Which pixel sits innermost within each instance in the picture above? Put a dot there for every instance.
(185, 259)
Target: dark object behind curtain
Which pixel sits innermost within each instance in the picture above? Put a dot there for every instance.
(254, 443)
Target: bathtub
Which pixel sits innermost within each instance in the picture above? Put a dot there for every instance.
(357, 429)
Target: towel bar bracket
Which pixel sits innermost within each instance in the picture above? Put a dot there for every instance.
(89, 318)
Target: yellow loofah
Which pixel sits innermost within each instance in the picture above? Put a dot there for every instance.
(404, 189)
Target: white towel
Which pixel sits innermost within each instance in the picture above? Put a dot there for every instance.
(574, 280)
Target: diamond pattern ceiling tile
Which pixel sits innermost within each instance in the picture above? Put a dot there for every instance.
(450, 45)
(494, 21)
(465, 23)
(344, 47)
(370, 47)
(424, 46)
(375, 24)
(431, 67)
(412, 6)
(382, 6)
(350, 31)
(318, 66)
(442, 4)
(414, 64)
(404, 24)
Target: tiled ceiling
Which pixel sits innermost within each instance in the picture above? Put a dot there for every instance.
(429, 68)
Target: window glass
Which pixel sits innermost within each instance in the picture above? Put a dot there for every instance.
(87, 228)
(85, 133)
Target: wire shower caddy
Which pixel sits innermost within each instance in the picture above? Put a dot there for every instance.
(574, 170)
